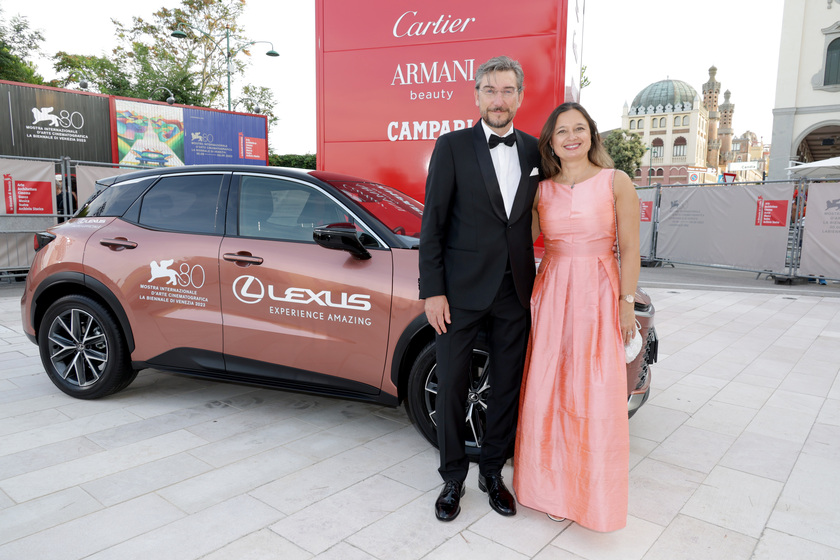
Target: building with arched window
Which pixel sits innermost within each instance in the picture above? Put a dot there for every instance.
(672, 122)
(806, 117)
(686, 133)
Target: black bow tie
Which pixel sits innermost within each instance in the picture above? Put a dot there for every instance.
(495, 140)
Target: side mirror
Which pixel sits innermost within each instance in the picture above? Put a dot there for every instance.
(341, 237)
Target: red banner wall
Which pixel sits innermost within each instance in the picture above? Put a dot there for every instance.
(394, 75)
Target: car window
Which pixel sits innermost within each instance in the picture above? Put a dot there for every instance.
(285, 210)
(184, 203)
(114, 200)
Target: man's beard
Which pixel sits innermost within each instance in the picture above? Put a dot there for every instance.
(500, 122)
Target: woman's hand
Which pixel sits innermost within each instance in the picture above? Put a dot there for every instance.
(627, 321)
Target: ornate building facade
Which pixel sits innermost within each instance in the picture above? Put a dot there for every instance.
(690, 139)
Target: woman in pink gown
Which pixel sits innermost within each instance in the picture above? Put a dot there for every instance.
(572, 443)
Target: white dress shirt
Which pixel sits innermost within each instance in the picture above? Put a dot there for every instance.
(506, 163)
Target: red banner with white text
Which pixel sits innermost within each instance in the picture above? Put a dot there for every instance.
(394, 76)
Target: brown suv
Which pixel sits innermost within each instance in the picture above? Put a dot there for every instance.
(226, 272)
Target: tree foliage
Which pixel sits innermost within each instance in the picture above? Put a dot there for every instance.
(584, 79)
(148, 60)
(147, 48)
(17, 43)
(256, 99)
(626, 149)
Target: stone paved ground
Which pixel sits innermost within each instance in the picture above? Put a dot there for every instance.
(736, 456)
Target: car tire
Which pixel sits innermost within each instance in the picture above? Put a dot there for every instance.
(422, 393)
(83, 349)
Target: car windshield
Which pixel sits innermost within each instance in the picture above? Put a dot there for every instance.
(399, 212)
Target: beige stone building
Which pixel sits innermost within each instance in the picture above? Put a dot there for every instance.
(806, 117)
(690, 138)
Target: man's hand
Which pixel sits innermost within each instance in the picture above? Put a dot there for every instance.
(437, 313)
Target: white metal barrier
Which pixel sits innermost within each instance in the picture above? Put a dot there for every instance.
(39, 193)
(757, 227)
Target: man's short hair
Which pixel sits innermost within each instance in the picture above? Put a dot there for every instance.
(500, 64)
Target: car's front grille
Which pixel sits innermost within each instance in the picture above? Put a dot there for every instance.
(650, 357)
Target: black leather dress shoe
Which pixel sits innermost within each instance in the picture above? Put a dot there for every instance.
(501, 499)
(448, 504)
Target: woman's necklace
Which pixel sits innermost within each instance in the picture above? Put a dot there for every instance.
(574, 181)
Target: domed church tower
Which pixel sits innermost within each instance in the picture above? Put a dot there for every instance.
(688, 138)
(669, 117)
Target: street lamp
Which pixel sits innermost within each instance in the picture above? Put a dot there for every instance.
(83, 81)
(255, 107)
(170, 99)
(179, 34)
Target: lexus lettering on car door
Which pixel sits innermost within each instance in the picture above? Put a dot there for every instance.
(290, 302)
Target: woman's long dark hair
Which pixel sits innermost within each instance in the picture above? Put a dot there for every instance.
(550, 162)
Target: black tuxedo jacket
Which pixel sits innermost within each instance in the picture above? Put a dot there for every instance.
(466, 239)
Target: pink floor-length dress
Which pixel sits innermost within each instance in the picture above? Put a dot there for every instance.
(572, 441)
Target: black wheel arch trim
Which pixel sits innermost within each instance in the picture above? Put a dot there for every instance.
(94, 285)
(412, 337)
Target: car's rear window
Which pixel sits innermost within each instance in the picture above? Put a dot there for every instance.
(114, 200)
(186, 203)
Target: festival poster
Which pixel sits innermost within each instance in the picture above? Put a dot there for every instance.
(149, 134)
(771, 212)
(223, 137)
(28, 187)
(646, 210)
(44, 122)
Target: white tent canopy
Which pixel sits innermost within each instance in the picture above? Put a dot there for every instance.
(823, 168)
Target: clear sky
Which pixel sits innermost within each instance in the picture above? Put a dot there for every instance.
(627, 45)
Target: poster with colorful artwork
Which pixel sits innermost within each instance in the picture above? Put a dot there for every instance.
(149, 134)
(170, 136)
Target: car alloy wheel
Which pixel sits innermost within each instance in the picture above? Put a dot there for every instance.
(82, 348)
(422, 397)
(78, 347)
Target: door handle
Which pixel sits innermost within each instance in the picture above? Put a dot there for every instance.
(242, 258)
(118, 243)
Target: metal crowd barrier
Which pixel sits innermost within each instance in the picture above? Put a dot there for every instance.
(785, 272)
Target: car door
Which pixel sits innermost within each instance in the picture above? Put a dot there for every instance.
(294, 312)
(161, 261)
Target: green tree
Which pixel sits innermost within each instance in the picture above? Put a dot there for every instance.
(18, 42)
(147, 48)
(626, 149)
(257, 99)
(148, 58)
(109, 77)
(14, 69)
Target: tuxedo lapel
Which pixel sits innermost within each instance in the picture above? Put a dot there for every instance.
(488, 172)
(519, 201)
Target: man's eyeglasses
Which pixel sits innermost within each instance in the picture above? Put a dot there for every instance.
(490, 93)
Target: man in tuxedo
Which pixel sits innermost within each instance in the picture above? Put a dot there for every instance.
(477, 269)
